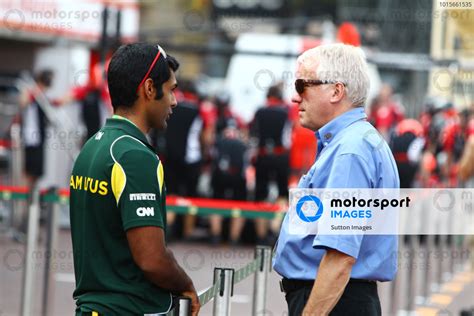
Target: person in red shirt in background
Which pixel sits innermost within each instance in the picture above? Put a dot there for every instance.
(94, 99)
(456, 135)
(446, 132)
(407, 144)
(466, 162)
(385, 113)
(303, 149)
(452, 142)
(209, 114)
(446, 142)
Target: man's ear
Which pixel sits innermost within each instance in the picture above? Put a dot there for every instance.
(149, 89)
(338, 93)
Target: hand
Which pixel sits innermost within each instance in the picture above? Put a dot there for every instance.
(309, 311)
(195, 305)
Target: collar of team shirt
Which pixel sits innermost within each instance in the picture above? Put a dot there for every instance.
(327, 133)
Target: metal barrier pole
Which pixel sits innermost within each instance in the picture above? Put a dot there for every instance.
(396, 284)
(439, 273)
(464, 252)
(19, 208)
(225, 277)
(458, 246)
(450, 249)
(29, 269)
(16, 170)
(183, 306)
(422, 241)
(261, 278)
(50, 260)
(412, 276)
(428, 282)
(431, 244)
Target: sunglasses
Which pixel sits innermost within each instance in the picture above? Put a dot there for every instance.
(161, 51)
(301, 84)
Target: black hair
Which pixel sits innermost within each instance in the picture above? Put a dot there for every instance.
(275, 92)
(128, 66)
(186, 85)
(45, 77)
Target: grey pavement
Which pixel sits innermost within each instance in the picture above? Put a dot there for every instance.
(199, 260)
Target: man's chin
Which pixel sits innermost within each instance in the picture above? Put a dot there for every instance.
(305, 124)
(161, 126)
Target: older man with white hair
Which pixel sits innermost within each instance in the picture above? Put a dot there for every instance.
(337, 274)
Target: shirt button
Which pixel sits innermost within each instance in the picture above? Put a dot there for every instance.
(327, 136)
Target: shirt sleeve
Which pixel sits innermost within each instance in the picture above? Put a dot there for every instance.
(137, 184)
(348, 171)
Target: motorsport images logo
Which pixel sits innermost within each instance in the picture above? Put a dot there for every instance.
(341, 211)
(308, 202)
(381, 211)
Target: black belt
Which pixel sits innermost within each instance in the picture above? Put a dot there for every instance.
(289, 285)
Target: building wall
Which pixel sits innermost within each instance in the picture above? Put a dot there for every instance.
(452, 39)
(16, 56)
(181, 23)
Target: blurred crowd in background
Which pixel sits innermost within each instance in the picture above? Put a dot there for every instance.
(209, 151)
(234, 135)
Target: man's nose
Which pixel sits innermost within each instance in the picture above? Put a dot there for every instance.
(296, 98)
(174, 103)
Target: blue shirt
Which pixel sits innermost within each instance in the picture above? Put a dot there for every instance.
(352, 155)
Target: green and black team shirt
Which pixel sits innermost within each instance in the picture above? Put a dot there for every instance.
(116, 184)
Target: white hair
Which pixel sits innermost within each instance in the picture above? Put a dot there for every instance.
(341, 63)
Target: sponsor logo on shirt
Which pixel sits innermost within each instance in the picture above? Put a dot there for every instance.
(142, 197)
(88, 184)
(146, 211)
(99, 135)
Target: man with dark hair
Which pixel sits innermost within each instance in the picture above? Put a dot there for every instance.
(118, 209)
